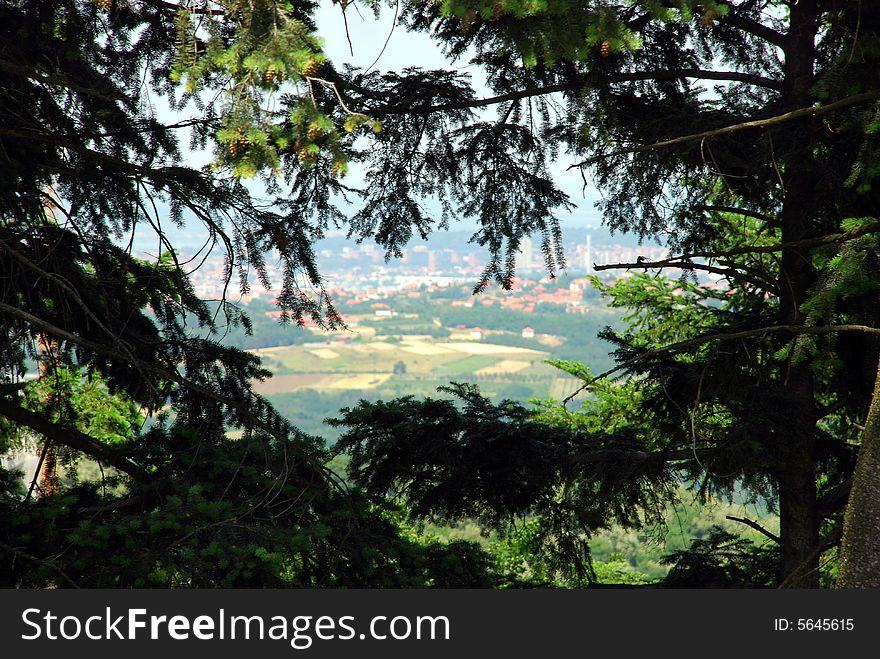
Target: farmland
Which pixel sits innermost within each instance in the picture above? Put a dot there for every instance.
(411, 343)
(313, 381)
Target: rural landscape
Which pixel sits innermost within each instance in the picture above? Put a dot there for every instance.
(504, 294)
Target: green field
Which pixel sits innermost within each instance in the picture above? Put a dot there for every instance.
(314, 381)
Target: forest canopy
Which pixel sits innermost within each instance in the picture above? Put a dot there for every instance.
(741, 134)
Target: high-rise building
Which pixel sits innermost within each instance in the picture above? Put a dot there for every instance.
(525, 256)
(588, 254)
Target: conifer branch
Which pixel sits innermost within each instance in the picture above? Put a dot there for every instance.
(73, 438)
(757, 123)
(756, 29)
(40, 561)
(735, 210)
(69, 290)
(732, 272)
(576, 84)
(675, 261)
(162, 5)
(165, 373)
(723, 336)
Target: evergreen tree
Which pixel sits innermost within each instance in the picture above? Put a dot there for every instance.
(743, 134)
(158, 490)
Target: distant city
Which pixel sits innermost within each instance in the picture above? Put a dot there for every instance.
(446, 259)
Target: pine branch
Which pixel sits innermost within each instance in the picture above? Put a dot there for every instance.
(171, 7)
(70, 292)
(734, 210)
(834, 500)
(732, 272)
(41, 561)
(679, 455)
(829, 239)
(756, 29)
(40, 76)
(757, 123)
(577, 83)
(173, 376)
(723, 336)
(73, 438)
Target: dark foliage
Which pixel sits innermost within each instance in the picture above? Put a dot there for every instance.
(722, 561)
(472, 459)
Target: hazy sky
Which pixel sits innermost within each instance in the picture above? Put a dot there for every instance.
(368, 36)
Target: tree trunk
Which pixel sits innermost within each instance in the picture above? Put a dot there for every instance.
(860, 547)
(49, 481)
(796, 451)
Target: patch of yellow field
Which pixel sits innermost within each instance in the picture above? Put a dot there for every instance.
(324, 353)
(358, 381)
(420, 348)
(288, 382)
(503, 367)
(378, 346)
(490, 349)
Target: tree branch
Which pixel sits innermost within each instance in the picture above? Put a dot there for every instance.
(834, 500)
(734, 210)
(40, 561)
(757, 123)
(661, 456)
(67, 288)
(72, 438)
(578, 83)
(829, 239)
(724, 336)
(165, 373)
(171, 7)
(678, 262)
(756, 29)
(753, 524)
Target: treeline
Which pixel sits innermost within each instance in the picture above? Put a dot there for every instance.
(578, 331)
(266, 331)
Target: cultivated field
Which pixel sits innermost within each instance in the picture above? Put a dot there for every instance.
(412, 365)
(313, 382)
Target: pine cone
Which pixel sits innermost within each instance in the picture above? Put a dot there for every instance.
(237, 144)
(311, 67)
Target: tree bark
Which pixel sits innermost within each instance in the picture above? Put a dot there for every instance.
(859, 565)
(796, 449)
